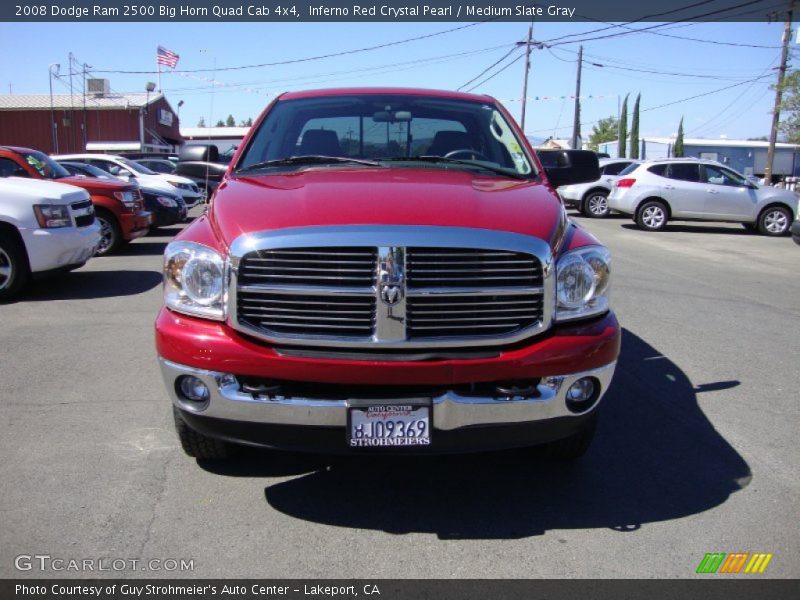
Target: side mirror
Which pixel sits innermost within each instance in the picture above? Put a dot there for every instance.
(565, 167)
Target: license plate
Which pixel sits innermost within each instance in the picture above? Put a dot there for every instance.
(372, 424)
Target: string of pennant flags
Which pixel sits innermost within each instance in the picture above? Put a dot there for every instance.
(581, 98)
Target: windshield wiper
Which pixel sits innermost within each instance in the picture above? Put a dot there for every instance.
(309, 159)
(456, 161)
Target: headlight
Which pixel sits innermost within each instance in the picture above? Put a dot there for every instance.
(582, 283)
(166, 201)
(52, 216)
(129, 199)
(194, 280)
(178, 184)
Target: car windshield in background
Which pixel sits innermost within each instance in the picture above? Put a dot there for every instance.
(402, 130)
(134, 166)
(89, 170)
(46, 166)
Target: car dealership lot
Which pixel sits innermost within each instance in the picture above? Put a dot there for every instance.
(696, 452)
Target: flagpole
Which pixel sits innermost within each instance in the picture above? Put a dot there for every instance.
(158, 68)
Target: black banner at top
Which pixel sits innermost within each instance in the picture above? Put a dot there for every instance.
(391, 10)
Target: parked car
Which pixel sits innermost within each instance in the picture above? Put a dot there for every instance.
(45, 227)
(118, 206)
(346, 292)
(591, 199)
(796, 230)
(203, 164)
(158, 165)
(127, 170)
(166, 208)
(658, 191)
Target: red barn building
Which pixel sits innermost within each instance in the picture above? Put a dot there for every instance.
(96, 122)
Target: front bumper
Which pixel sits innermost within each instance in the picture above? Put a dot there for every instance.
(135, 225)
(221, 357)
(52, 249)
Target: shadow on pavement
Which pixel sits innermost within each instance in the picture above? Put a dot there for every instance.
(82, 285)
(655, 457)
(733, 229)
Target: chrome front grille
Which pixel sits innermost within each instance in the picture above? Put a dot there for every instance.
(340, 267)
(390, 287)
(472, 316)
(469, 267)
(292, 314)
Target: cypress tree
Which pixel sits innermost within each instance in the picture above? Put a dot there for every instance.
(635, 129)
(623, 129)
(677, 151)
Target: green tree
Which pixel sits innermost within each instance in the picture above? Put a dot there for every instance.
(605, 130)
(623, 129)
(635, 128)
(789, 124)
(677, 150)
(230, 121)
(246, 122)
(220, 123)
(201, 122)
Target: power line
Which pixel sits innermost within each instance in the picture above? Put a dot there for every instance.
(494, 64)
(495, 74)
(310, 58)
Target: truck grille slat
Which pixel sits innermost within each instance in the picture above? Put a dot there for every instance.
(334, 293)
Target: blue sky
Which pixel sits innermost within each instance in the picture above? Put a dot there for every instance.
(444, 61)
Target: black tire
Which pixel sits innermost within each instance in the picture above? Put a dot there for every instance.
(652, 216)
(197, 445)
(595, 205)
(575, 446)
(774, 221)
(14, 269)
(110, 233)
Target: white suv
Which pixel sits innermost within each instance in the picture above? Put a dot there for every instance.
(44, 227)
(657, 191)
(591, 198)
(126, 170)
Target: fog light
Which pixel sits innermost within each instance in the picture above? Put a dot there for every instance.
(582, 394)
(193, 389)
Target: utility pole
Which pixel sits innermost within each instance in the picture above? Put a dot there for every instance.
(525, 78)
(776, 112)
(576, 121)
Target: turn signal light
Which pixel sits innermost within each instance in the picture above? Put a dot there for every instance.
(626, 183)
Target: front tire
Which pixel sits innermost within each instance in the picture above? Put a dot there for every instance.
(652, 216)
(197, 445)
(110, 233)
(774, 221)
(595, 205)
(14, 270)
(574, 446)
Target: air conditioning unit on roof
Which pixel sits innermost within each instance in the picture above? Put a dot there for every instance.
(98, 87)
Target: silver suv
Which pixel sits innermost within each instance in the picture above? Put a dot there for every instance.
(657, 191)
(590, 198)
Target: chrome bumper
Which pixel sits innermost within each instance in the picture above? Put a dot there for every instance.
(450, 410)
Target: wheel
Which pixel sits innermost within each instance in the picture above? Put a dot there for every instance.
(774, 220)
(467, 153)
(652, 216)
(14, 270)
(574, 446)
(198, 445)
(595, 205)
(110, 233)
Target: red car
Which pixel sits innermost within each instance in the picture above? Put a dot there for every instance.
(388, 270)
(118, 206)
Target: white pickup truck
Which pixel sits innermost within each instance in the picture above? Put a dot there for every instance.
(45, 227)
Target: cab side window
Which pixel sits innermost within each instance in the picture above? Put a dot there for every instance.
(684, 172)
(9, 168)
(718, 176)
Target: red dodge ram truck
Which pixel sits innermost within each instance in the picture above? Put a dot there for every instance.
(388, 270)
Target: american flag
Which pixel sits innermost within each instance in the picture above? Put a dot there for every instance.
(166, 57)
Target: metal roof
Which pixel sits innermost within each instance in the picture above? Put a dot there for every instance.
(75, 101)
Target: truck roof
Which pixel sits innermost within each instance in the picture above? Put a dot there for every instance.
(386, 91)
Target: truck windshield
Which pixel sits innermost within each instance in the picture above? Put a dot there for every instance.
(45, 166)
(396, 130)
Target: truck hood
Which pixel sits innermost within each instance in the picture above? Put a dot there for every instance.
(97, 186)
(384, 196)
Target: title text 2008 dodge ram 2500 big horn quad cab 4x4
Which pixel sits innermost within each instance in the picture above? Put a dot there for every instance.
(388, 269)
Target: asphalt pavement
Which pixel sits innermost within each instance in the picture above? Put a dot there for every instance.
(697, 449)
